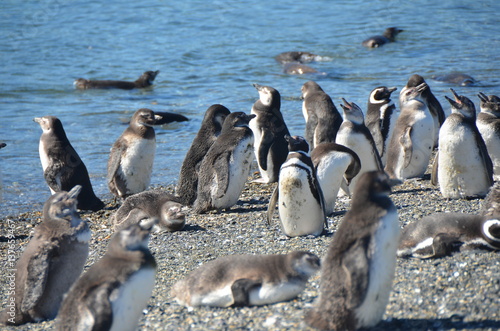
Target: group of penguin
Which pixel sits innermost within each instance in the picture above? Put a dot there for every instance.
(352, 155)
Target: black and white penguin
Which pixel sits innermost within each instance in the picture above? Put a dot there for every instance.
(269, 130)
(145, 80)
(247, 280)
(456, 78)
(113, 292)
(297, 68)
(335, 166)
(388, 36)
(412, 141)
(226, 166)
(210, 129)
(381, 117)
(488, 124)
(358, 269)
(131, 158)
(440, 234)
(322, 118)
(62, 167)
(355, 135)
(462, 166)
(429, 99)
(298, 194)
(51, 263)
(300, 57)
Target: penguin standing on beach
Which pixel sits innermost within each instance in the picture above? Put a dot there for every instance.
(322, 118)
(52, 261)
(247, 280)
(381, 117)
(113, 292)
(355, 135)
(358, 269)
(63, 168)
(462, 166)
(412, 141)
(488, 124)
(269, 130)
(298, 194)
(225, 169)
(210, 129)
(131, 158)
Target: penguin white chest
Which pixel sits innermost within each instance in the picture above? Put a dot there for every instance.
(131, 298)
(492, 141)
(137, 164)
(45, 160)
(381, 270)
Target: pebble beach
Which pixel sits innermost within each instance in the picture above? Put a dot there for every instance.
(460, 292)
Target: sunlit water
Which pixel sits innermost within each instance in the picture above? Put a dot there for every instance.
(209, 52)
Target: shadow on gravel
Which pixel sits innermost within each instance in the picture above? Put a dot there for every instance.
(456, 323)
(193, 227)
(6, 239)
(413, 190)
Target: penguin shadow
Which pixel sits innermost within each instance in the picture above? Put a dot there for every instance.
(193, 227)
(246, 206)
(454, 322)
(18, 237)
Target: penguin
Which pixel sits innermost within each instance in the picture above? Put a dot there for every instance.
(335, 166)
(429, 99)
(440, 234)
(62, 167)
(210, 129)
(355, 135)
(380, 118)
(488, 124)
(462, 166)
(300, 200)
(113, 292)
(297, 68)
(456, 78)
(226, 166)
(130, 162)
(322, 118)
(269, 129)
(247, 280)
(145, 80)
(300, 57)
(388, 36)
(358, 269)
(52, 261)
(147, 205)
(491, 204)
(412, 142)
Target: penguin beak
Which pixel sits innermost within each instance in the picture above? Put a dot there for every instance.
(257, 86)
(483, 97)
(457, 103)
(392, 89)
(75, 191)
(422, 87)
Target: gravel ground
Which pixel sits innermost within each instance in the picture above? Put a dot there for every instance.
(460, 292)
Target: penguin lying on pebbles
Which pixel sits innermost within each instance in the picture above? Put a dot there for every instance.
(491, 204)
(247, 280)
(113, 292)
(145, 80)
(52, 261)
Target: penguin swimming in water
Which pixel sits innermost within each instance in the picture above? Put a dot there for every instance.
(300, 200)
(247, 280)
(488, 124)
(113, 292)
(52, 261)
(358, 269)
(388, 36)
(462, 166)
(131, 158)
(145, 80)
(63, 168)
(269, 130)
(226, 166)
(440, 234)
(381, 117)
(210, 129)
(412, 141)
(456, 78)
(323, 120)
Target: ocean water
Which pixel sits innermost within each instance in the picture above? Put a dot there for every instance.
(210, 52)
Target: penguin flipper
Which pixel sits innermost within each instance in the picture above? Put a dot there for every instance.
(485, 156)
(166, 117)
(272, 205)
(265, 146)
(221, 166)
(97, 303)
(321, 201)
(407, 145)
(241, 291)
(53, 174)
(434, 173)
(38, 271)
(356, 266)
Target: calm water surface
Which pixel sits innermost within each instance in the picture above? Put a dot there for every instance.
(209, 52)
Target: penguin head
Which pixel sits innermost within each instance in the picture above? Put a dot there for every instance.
(409, 94)
(237, 119)
(143, 117)
(462, 105)
(304, 263)
(297, 143)
(148, 77)
(216, 114)
(135, 236)
(381, 94)
(62, 205)
(49, 124)
(352, 112)
(310, 87)
(489, 103)
(391, 33)
(267, 94)
(491, 231)
(376, 183)
(172, 217)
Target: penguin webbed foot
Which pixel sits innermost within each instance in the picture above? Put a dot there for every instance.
(241, 291)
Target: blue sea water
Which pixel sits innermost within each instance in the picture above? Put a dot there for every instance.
(210, 52)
